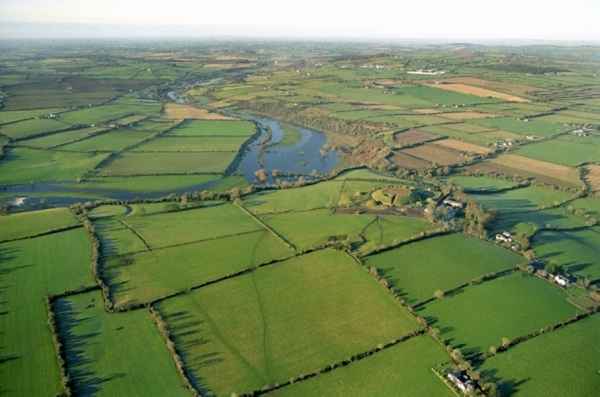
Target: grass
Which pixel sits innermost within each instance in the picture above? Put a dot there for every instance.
(524, 199)
(481, 183)
(538, 366)
(61, 138)
(291, 135)
(109, 142)
(30, 270)
(120, 354)
(387, 373)
(578, 251)
(313, 228)
(25, 224)
(23, 165)
(24, 129)
(99, 114)
(281, 321)
(180, 227)
(168, 163)
(142, 184)
(419, 269)
(149, 275)
(215, 128)
(531, 127)
(320, 195)
(17, 115)
(565, 150)
(193, 144)
(386, 230)
(510, 306)
(552, 218)
(117, 238)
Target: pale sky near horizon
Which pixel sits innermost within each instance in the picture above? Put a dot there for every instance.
(452, 19)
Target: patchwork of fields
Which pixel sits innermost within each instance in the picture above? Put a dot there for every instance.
(299, 221)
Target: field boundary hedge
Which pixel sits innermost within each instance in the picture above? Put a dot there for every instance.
(165, 331)
(341, 363)
(267, 227)
(45, 233)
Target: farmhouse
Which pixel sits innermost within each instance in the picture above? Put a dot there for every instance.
(504, 237)
(462, 381)
(453, 203)
(561, 280)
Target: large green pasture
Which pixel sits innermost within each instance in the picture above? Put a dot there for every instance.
(281, 321)
(168, 163)
(29, 271)
(148, 275)
(114, 354)
(215, 127)
(481, 315)
(522, 127)
(26, 128)
(193, 144)
(313, 228)
(386, 374)
(320, 195)
(560, 363)
(523, 199)
(418, 269)
(61, 138)
(180, 227)
(24, 165)
(391, 229)
(578, 251)
(109, 141)
(566, 150)
(26, 224)
(142, 184)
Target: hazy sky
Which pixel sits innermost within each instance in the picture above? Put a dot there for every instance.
(450, 19)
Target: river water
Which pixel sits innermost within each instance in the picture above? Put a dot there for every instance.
(303, 158)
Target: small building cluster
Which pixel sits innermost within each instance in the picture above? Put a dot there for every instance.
(503, 144)
(462, 381)
(504, 237)
(457, 205)
(581, 132)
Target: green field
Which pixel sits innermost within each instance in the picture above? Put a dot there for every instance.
(168, 163)
(578, 251)
(481, 183)
(61, 138)
(181, 227)
(387, 230)
(26, 224)
(387, 373)
(314, 228)
(193, 144)
(565, 150)
(281, 321)
(537, 367)
(155, 183)
(23, 165)
(119, 354)
(521, 127)
(17, 115)
(510, 306)
(109, 142)
(153, 274)
(321, 195)
(24, 129)
(419, 269)
(30, 270)
(524, 199)
(215, 128)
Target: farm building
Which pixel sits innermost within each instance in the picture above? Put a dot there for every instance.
(561, 280)
(453, 203)
(462, 381)
(504, 237)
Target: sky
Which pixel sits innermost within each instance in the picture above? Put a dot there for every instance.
(572, 20)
